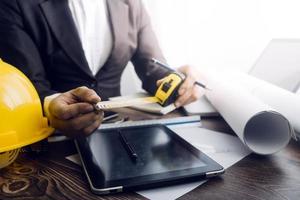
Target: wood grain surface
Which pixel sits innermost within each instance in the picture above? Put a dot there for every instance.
(49, 176)
(257, 177)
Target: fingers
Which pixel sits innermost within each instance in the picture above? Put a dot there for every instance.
(188, 91)
(75, 124)
(85, 94)
(185, 69)
(196, 94)
(185, 91)
(187, 85)
(90, 129)
(73, 112)
(159, 82)
(65, 112)
(82, 125)
(183, 98)
(189, 95)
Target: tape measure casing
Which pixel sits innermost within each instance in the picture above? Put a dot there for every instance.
(167, 92)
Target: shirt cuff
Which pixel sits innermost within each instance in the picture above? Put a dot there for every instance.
(47, 102)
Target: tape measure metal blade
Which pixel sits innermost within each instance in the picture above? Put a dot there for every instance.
(108, 105)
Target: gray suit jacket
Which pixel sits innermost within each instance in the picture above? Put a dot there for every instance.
(39, 37)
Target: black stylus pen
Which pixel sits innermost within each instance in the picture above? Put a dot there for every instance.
(155, 61)
(133, 155)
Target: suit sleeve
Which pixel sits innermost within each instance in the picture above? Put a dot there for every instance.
(148, 48)
(18, 49)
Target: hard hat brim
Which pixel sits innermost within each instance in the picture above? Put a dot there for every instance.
(43, 134)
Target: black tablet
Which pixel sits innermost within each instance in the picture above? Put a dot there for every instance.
(144, 157)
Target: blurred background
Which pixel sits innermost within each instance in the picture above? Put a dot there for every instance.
(221, 33)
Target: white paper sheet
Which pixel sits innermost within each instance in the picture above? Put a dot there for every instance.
(223, 148)
(151, 108)
(201, 107)
(258, 125)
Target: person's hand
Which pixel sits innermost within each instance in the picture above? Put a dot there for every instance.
(188, 91)
(73, 112)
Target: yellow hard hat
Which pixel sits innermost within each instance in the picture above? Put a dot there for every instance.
(21, 117)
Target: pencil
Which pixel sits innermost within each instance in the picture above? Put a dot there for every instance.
(155, 61)
(128, 146)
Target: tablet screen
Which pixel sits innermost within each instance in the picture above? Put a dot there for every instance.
(160, 155)
(155, 151)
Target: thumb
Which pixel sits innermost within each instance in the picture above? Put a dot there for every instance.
(85, 94)
(159, 82)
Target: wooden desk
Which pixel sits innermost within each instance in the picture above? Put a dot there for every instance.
(51, 176)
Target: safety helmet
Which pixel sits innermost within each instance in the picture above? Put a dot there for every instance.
(21, 117)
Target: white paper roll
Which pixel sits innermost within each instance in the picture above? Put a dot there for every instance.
(258, 125)
(284, 101)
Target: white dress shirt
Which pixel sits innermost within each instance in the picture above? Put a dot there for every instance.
(92, 23)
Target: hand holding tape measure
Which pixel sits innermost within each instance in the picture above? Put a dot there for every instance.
(166, 94)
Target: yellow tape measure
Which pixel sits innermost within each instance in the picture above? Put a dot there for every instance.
(165, 95)
(107, 105)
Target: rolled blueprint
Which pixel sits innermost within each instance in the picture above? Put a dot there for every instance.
(284, 101)
(260, 127)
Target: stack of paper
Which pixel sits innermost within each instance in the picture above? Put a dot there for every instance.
(152, 107)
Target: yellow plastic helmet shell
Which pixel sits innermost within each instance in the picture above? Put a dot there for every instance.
(21, 116)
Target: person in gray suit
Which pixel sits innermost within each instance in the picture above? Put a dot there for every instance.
(74, 52)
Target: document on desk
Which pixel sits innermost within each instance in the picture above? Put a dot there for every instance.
(223, 148)
(253, 114)
(151, 107)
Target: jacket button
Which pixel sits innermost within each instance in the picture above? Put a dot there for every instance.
(94, 84)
